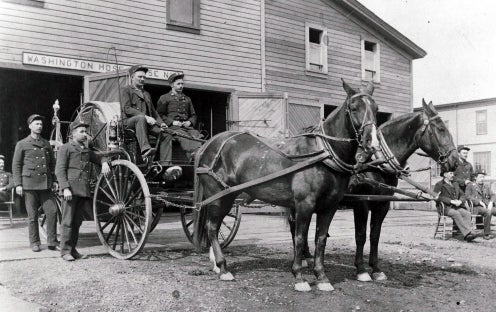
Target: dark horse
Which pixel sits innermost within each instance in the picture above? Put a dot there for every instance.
(233, 158)
(403, 136)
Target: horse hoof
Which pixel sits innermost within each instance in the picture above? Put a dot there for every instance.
(304, 263)
(379, 276)
(227, 277)
(364, 277)
(216, 269)
(325, 286)
(302, 286)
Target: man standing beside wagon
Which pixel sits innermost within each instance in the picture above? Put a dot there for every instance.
(33, 169)
(72, 172)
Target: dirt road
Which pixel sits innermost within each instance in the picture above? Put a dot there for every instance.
(423, 274)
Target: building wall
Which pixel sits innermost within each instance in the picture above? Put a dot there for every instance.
(226, 53)
(462, 126)
(285, 56)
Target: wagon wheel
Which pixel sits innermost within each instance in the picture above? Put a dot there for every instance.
(123, 209)
(228, 229)
(42, 218)
(156, 214)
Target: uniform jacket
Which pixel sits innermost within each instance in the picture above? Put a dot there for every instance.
(173, 106)
(135, 103)
(479, 193)
(464, 171)
(448, 193)
(6, 180)
(33, 164)
(73, 166)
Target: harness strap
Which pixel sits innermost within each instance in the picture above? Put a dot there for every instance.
(272, 176)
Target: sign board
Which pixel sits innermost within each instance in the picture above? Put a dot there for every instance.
(85, 65)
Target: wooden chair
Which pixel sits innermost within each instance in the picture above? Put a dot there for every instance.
(477, 219)
(444, 221)
(10, 205)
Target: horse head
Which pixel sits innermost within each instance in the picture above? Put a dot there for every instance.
(361, 110)
(434, 138)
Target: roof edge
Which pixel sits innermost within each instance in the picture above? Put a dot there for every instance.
(463, 103)
(380, 25)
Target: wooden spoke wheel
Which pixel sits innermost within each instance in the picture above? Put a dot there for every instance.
(228, 229)
(42, 218)
(122, 208)
(156, 214)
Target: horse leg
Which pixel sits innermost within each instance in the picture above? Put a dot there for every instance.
(302, 222)
(215, 215)
(361, 214)
(377, 217)
(306, 251)
(324, 219)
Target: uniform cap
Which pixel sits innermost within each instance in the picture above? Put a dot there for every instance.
(78, 123)
(463, 147)
(480, 171)
(136, 68)
(35, 117)
(174, 77)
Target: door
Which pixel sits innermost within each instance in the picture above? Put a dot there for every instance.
(103, 86)
(260, 113)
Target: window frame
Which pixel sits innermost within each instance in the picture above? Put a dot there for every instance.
(185, 27)
(377, 60)
(478, 124)
(476, 156)
(323, 50)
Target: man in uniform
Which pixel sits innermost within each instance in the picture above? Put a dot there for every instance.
(453, 198)
(138, 111)
(6, 181)
(72, 170)
(483, 199)
(178, 113)
(33, 169)
(464, 172)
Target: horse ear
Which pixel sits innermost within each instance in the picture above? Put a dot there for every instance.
(432, 108)
(424, 104)
(370, 88)
(349, 90)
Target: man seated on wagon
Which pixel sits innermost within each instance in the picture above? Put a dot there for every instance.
(483, 199)
(454, 199)
(138, 112)
(177, 111)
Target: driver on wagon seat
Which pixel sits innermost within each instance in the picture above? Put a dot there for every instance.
(138, 112)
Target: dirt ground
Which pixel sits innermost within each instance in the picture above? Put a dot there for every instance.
(424, 274)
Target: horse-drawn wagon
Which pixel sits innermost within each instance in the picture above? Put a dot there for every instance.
(308, 174)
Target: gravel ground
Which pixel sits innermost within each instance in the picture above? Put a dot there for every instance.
(424, 274)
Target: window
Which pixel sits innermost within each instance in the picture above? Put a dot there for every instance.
(183, 15)
(481, 122)
(316, 48)
(482, 160)
(371, 61)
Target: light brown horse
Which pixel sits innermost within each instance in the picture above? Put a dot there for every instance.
(233, 158)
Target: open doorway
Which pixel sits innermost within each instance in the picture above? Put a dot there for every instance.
(23, 93)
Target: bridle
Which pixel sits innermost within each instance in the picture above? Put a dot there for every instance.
(364, 123)
(427, 128)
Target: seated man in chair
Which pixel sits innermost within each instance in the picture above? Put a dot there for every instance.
(453, 198)
(138, 112)
(483, 200)
(6, 182)
(176, 109)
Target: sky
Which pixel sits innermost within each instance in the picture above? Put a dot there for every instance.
(459, 37)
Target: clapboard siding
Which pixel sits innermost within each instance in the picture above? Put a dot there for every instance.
(285, 55)
(230, 37)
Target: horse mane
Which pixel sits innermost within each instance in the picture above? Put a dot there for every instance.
(399, 119)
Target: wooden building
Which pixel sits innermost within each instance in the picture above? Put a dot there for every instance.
(269, 66)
